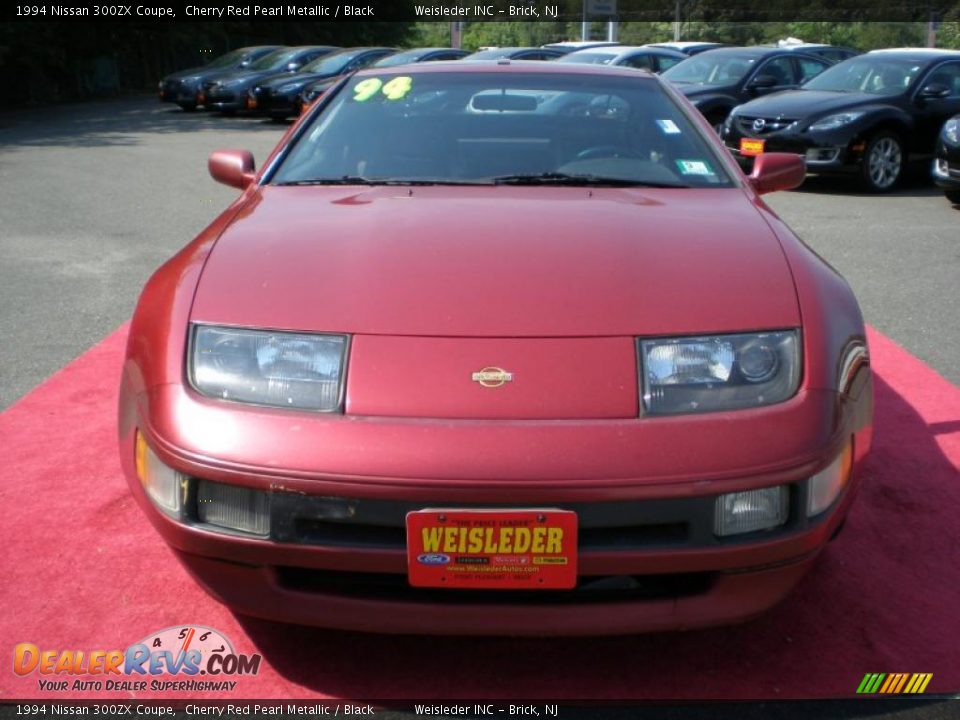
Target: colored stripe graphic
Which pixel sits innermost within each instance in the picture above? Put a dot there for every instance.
(894, 683)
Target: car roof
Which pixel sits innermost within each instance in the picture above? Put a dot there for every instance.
(618, 50)
(751, 51)
(680, 44)
(917, 54)
(582, 44)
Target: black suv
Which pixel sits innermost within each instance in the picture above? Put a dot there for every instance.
(716, 81)
(867, 115)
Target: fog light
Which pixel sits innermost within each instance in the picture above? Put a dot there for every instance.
(823, 154)
(743, 512)
(164, 485)
(234, 507)
(825, 486)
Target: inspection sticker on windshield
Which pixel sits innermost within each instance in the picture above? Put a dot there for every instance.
(694, 167)
(669, 127)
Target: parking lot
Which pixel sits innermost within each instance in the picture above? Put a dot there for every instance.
(98, 195)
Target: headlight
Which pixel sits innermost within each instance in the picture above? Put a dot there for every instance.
(731, 116)
(269, 367)
(165, 486)
(832, 122)
(233, 507)
(722, 372)
(951, 131)
(751, 510)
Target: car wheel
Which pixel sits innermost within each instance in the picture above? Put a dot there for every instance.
(882, 163)
(953, 196)
(187, 107)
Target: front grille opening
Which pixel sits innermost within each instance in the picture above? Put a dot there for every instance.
(589, 589)
(334, 533)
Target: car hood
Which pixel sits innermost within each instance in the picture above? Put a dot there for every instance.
(275, 81)
(313, 76)
(238, 77)
(799, 104)
(498, 261)
(189, 72)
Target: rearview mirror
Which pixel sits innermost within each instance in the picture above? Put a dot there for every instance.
(777, 171)
(934, 91)
(232, 167)
(505, 103)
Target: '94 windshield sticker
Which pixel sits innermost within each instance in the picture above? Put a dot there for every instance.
(395, 89)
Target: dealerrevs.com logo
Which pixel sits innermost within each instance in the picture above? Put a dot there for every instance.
(189, 658)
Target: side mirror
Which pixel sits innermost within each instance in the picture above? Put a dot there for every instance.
(763, 82)
(232, 167)
(777, 171)
(934, 91)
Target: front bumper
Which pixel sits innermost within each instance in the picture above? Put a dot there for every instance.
(824, 152)
(647, 559)
(273, 104)
(946, 167)
(216, 98)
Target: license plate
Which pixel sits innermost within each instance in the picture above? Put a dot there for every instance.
(751, 147)
(492, 549)
(251, 104)
(201, 99)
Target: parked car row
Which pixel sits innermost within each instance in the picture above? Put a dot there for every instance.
(866, 115)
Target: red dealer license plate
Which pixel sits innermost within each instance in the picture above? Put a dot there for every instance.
(492, 549)
(750, 147)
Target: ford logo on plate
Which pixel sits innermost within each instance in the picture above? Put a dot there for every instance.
(433, 559)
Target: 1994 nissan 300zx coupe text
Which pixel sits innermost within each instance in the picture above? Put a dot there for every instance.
(506, 348)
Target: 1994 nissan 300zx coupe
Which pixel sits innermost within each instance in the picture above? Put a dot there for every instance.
(507, 348)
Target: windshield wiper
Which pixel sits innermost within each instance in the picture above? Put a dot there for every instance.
(559, 178)
(360, 180)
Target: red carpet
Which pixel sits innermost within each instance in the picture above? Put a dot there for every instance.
(82, 569)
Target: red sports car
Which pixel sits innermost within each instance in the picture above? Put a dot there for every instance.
(507, 348)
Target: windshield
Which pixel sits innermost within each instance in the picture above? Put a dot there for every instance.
(874, 75)
(330, 64)
(400, 58)
(228, 60)
(272, 61)
(492, 53)
(592, 58)
(502, 127)
(712, 69)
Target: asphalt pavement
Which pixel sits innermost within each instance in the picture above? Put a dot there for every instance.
(95, 196)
